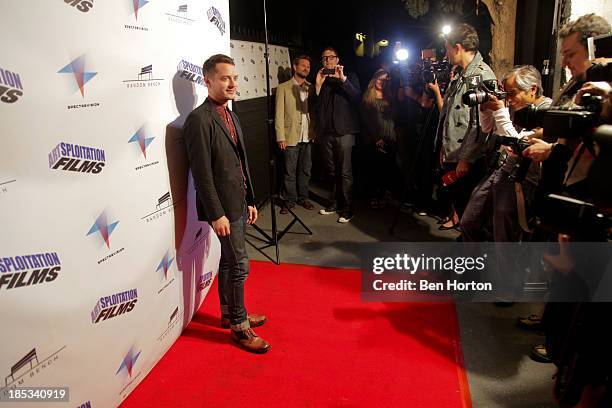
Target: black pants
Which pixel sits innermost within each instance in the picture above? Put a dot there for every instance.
(337, 153)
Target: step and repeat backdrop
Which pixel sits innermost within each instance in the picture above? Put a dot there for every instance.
(250, 63)
(102, 259)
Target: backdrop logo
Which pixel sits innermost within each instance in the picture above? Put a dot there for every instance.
(205, 281)
(127, 366)
(81, 76)
(201, 236)
(164, 206)
(4, 186)
(27, 270)
(11, 87)
(144, 79)
(175, 317)
(27, 367)
(129, 361)
(81, 159)
(180, 14)
(191, 72)
(214, 16)
(103, 227)
(137, 6)
(114, 305)
(81, 5)
(142, 140)
(165, 264)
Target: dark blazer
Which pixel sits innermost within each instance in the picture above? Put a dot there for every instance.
(338, 104)
(215, 164)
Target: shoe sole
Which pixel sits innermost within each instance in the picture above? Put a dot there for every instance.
(254, 351)
(345, 220)
(323, 212)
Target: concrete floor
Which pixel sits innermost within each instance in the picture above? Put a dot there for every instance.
(500, 372)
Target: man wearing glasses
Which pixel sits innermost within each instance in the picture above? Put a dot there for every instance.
(336, 105)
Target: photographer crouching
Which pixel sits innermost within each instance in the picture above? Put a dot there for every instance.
(501, 197)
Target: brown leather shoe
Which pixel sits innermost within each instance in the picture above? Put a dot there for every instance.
(255, 320)
(307, 205)
(248, 340)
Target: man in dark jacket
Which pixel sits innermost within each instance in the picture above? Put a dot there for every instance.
(337, 121)
(224, 193)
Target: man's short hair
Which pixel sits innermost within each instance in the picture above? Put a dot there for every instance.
(465, 35)
(211, 64)
(586, 26)
(526, 76)
(332, 49)
(297, 59)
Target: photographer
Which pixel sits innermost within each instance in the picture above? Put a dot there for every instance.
(500, 196)
(337, 121)
(462, 152)
(576, 339)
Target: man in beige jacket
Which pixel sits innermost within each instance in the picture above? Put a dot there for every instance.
(294, 133)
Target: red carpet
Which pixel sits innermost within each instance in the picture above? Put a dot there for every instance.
(328, 350)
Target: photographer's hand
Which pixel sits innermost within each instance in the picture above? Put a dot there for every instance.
(538, 151)
(594, 88)
(340, 73)
(463, 167)
(493, 104)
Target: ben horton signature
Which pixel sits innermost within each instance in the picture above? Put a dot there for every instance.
(31, 360)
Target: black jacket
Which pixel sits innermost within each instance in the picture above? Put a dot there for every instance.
(336, 106)
(215, 164)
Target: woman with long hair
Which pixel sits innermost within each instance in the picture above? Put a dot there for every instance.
(379, 136)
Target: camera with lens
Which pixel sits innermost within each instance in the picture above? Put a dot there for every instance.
(568, 122)
(521, 167)
(560, 121)
(428, 70)
(479, 91)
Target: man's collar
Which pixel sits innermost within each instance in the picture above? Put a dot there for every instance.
(298, 84)
(472, 65)
(217, 103)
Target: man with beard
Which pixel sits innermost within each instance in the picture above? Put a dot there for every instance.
(294, 133)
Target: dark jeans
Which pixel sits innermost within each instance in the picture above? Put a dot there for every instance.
(233, 271)
(337, 153)
(297, 172)
(494, 199)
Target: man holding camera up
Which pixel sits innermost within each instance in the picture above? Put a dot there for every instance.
(462, 152)
(336, 103)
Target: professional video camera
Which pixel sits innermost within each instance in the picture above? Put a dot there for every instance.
(428, 70)
(480, 90)
(572, 122)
